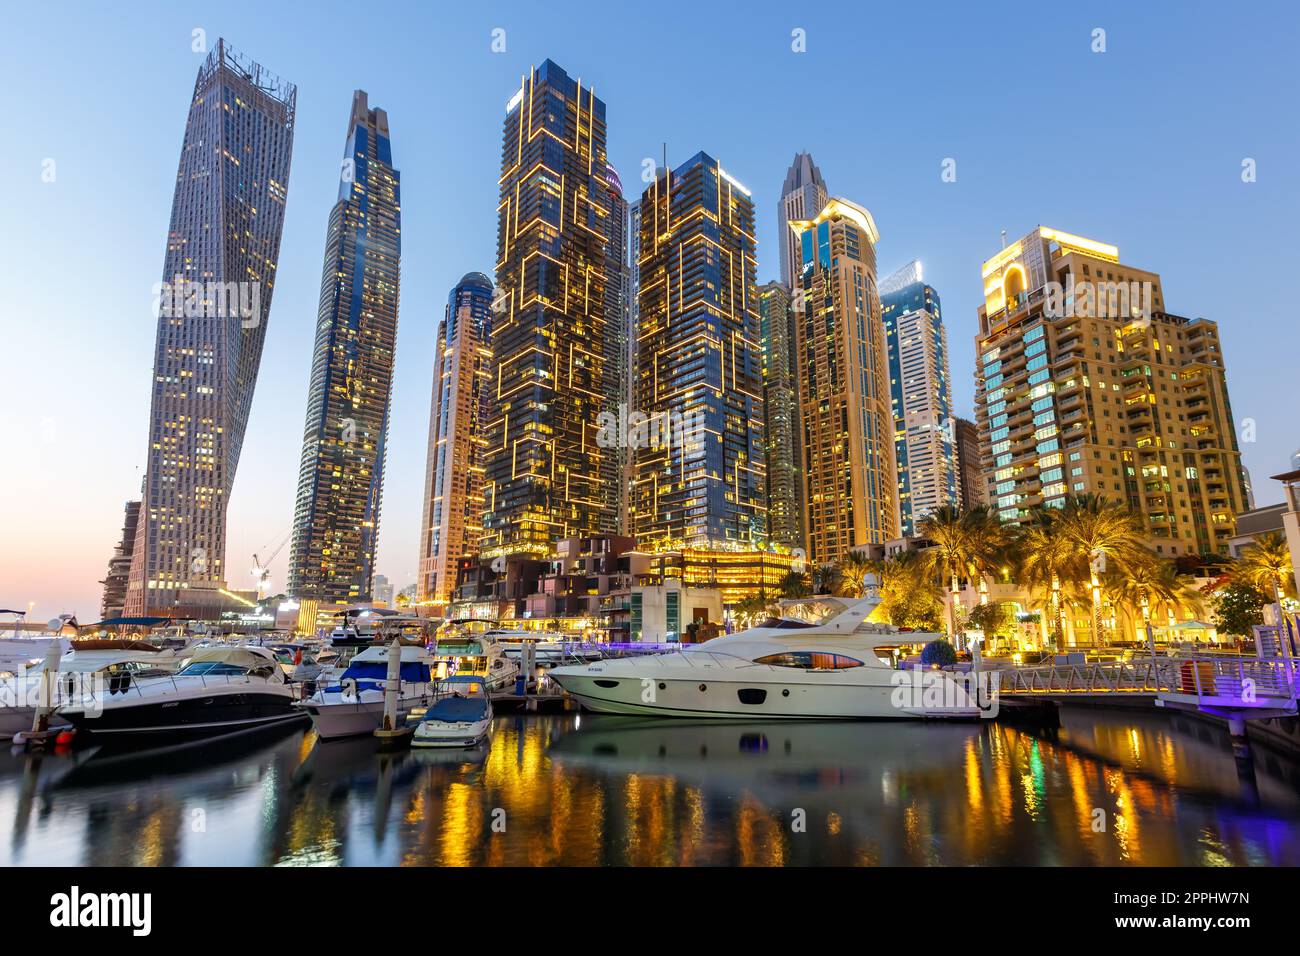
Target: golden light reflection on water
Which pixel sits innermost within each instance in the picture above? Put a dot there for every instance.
(621, 791)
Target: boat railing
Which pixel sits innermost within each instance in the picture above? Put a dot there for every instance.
(111, 685)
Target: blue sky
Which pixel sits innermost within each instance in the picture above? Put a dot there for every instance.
(1140, 146)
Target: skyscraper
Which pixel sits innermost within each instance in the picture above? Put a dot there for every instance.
(1085, 384)
(119, 566)
(920, 399)
(972, 489)
(618, 289)
(452, 523)
(547, 476)
(849, 467)
(803, 195)
(782, 429)
(341, 476)
(701, 472)
(223, 244)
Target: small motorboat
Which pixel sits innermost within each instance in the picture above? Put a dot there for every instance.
(460, 716)
(353, 703)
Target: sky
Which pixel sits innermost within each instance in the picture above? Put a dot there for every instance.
(1141, 145)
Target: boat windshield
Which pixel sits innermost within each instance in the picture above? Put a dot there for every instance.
(209, 669)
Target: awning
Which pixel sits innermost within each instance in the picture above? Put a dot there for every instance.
(127, 622)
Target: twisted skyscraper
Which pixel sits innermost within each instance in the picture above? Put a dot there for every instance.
(218, 275)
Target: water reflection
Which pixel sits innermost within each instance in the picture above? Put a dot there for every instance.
(1107, 788)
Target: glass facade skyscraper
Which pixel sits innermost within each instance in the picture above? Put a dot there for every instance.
(701, 473)
(452, 521)
(781, 404)
(341, 476)
(547, 475)
(920, 397)
(849, 468)
(223, 244)
(803, 195)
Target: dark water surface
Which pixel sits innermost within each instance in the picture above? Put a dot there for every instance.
(1111, 788)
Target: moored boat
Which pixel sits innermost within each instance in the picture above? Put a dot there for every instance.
(219, 689)
(833, 666)
(460, 716)
(353, 703)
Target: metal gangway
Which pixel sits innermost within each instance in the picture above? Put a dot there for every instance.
(1219, 684)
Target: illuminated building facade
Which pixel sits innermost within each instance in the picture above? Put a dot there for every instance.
(781, 406)
(452, 522)
(223, 243)
(1086, 384)
(119, 566)
(843, 375)
(803, 195)
(919, 395)
(701, 472)
(618, 291)
(547, 476)
(972, 489)
(341, 475)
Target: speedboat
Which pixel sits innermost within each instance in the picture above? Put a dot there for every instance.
(833, 666)
(461, 715)
(218, 689)
(108, 664)
(354, 702)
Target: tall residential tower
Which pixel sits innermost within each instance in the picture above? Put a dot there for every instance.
(547, 476)
(782, 424)
(223, 244)
(803, 196)
(452, 523)
(701, 473)
(924, 431)
(849, 467)
(341, 476)
(1086, 385)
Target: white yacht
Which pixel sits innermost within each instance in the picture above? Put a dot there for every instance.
(461, 716)
(354, 703)
(549, 647)
(86, 666)
(833, 666)
(219, 689)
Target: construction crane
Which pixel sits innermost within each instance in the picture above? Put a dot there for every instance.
(262, 569)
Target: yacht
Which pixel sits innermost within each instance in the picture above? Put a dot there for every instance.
(461, 716)
(549, 647)
(353, 703)
(835, 665)
(109, 664)
(219, 689)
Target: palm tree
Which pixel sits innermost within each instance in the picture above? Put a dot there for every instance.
(1267, 565)
(949, 554)
(794, 585)
(1152, 585)
(852, 568)
(824, 578)
(1045, 562)
(1100, 531)
(966, 544)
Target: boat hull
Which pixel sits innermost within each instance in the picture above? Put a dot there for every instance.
(17, 720)
(431, 734)
(723, 696)
(190, 716)
(335, 720)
